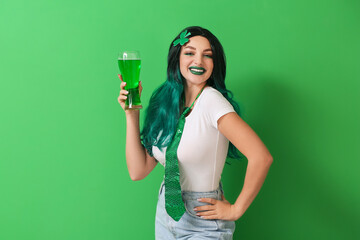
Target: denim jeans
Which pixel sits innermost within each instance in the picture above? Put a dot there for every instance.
(191, 226)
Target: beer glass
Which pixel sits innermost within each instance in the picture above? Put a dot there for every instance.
(129, 64)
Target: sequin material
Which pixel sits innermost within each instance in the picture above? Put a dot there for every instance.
(173, 199)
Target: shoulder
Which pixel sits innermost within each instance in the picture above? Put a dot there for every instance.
(215, 105)
(213, 92)
(214, 97)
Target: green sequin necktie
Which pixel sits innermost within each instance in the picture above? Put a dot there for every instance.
(173, 199)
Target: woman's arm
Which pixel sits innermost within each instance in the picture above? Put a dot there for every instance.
(139, 162)
(247, 142)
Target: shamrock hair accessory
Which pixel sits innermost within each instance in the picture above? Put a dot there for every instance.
(182, 40)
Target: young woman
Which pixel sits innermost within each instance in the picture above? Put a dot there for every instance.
(192, 124)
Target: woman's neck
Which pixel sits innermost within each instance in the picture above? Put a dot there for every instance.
(191, 91)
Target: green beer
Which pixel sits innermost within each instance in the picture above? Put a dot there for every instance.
(129, 65)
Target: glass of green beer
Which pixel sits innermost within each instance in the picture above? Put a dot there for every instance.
(129, 64)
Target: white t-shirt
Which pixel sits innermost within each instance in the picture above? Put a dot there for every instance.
(202, 149)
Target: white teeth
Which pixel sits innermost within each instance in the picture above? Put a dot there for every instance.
(196, 70)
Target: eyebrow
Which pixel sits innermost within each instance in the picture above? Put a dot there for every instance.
(209, 49)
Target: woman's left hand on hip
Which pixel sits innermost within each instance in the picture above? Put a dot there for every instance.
(218, 209)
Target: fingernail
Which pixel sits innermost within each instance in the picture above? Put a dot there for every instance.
(199, 199)
(198, 214)
(195, 209)
(127, 91)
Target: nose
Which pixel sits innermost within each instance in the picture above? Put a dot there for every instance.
(198, 59)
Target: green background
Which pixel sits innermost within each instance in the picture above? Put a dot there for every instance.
(292, 65)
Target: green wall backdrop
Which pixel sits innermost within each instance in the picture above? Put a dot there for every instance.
(292, 65)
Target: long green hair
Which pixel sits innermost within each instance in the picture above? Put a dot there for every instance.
(165, 104)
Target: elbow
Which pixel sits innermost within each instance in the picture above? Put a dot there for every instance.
(269, 160)
(136, 177)
(263, 160)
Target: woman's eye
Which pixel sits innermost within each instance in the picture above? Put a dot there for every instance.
(208, 56)
(189, 54)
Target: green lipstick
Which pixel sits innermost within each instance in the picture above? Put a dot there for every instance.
(197, 70)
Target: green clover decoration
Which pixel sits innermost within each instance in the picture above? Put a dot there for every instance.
(182, 40)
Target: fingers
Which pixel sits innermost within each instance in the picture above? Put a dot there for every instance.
(207, 213)
(122, 85)
(119, 75)
(212, 216)
(208, 200)
(123, 93)
(140, 88)
(205, 207)
(122, 99)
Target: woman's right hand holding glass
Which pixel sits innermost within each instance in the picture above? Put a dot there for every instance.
(123, 93)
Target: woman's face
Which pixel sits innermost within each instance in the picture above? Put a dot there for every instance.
(196, 63)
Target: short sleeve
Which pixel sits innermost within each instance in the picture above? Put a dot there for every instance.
(216, 106)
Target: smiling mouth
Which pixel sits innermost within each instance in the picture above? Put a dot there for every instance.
(197, 70)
